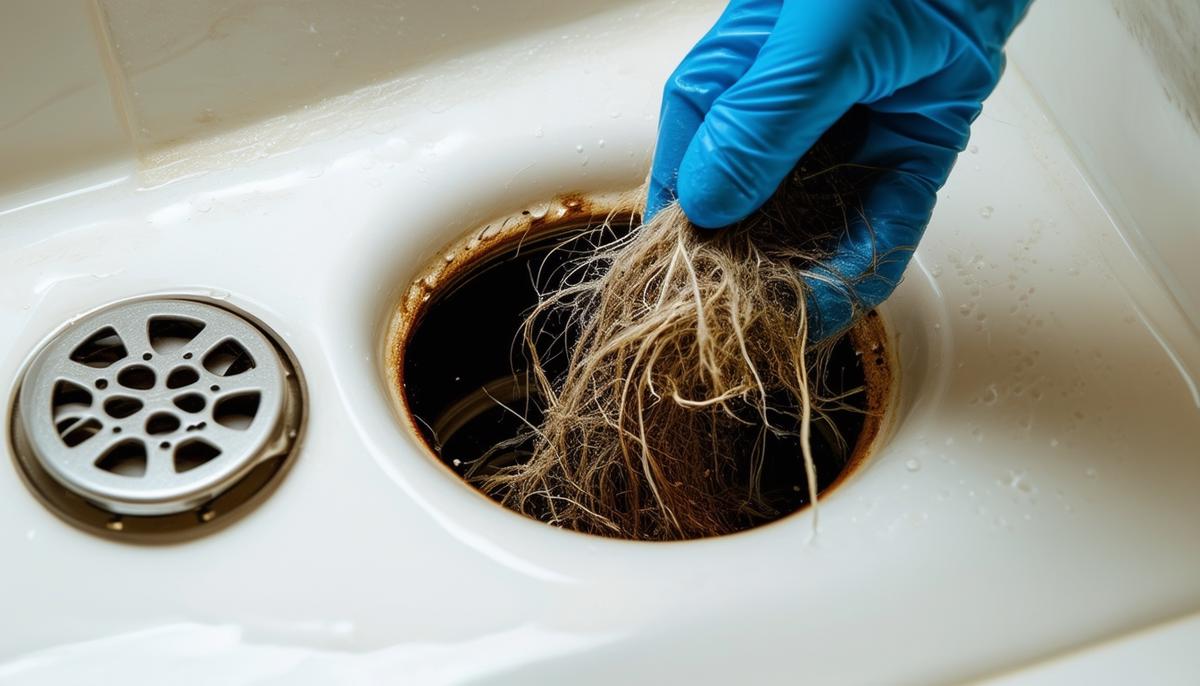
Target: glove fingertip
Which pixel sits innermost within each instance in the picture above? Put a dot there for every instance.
(709, 198)
(705, 214)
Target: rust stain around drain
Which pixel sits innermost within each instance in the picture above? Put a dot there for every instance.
(869, 338)
(576, 210)
(459, 257)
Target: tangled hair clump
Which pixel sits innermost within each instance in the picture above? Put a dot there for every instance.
(690, 356)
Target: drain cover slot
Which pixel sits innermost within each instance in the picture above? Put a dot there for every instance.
(156, 410)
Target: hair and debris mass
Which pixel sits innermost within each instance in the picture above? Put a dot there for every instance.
(688, 369)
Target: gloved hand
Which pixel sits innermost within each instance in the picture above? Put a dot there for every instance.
(773, 75)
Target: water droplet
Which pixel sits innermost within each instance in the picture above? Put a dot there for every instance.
(986, 211)
(913, 465)
(1016, 480)
(991, 395)
(579, 148)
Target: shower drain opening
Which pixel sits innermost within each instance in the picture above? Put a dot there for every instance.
(157, 418)
(459, 365)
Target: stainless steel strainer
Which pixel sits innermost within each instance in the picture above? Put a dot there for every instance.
(155, 407)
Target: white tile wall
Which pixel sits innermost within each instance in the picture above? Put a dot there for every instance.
(56, 113)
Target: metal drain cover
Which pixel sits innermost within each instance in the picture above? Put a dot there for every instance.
(155, 407)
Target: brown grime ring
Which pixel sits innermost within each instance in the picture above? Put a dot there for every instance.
(574, 211)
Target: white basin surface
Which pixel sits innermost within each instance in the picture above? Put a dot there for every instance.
(1034, 495)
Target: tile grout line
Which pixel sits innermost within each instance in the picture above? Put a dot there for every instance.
(118, 84)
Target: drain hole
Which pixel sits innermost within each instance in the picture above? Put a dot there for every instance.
(71, 409)
(469, 394)
(228, 359)
(74, 432)
(161, 423)
(183, 376)
(127, 458)
(190, 402)
(70, 396)
(193, 454)
(101, 349)
(121, 407)
(169, 334)
(138, 377)
(237, 411)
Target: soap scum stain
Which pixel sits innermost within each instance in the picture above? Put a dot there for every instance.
(1169, 31)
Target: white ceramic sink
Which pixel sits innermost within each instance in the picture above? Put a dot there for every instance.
(1035, 493)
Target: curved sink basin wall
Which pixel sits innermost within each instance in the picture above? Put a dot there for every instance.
(1034, 494)
(1123, 85)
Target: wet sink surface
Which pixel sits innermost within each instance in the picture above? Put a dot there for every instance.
(1032, 493)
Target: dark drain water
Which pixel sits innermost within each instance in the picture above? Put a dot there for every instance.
(463, 371)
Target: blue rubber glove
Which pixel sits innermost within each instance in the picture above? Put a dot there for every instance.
(773, 75)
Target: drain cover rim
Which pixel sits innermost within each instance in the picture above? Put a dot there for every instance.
(166, 492)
